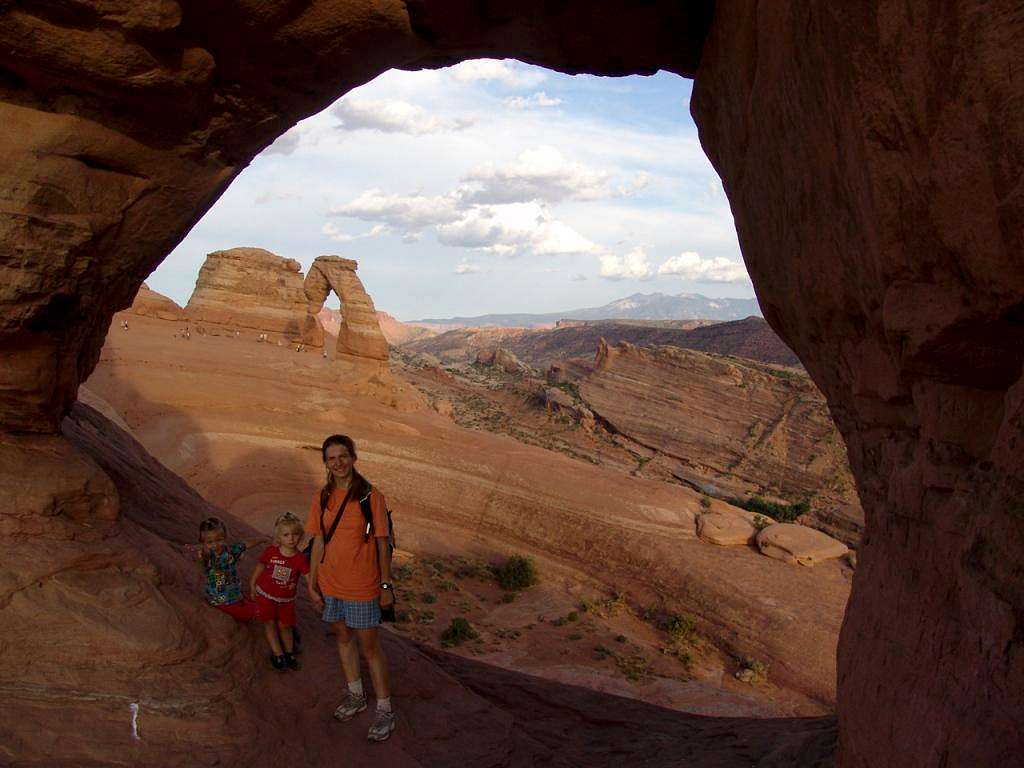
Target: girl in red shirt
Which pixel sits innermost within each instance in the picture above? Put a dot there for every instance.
(273, 585)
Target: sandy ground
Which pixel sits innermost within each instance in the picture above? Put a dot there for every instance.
(243, 421)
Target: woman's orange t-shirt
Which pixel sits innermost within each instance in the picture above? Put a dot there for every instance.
(351, 569)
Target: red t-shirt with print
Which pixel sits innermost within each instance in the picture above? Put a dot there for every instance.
(281, 574)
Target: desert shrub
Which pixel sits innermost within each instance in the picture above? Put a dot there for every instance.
(620, 638)
(429, 597)
(681, 627)
(760, 522)
(603, 653)
(605, 609)
(446, 585)
(572, 616)
(705, 502)
(472, 569)
(635, 667)
(459, 631)
(575, 636)
(758, 668)
(781, 513)
(517, 573)
(508, 597)
(425, 617)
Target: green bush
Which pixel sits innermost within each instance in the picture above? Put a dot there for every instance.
(781, 513)
(517, 573)
(681, 627)
(459, 631)
(429, 597)
(760, 522)
(758, 668)
(446, 585)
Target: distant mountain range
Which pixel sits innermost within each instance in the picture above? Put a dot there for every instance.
(639, 306)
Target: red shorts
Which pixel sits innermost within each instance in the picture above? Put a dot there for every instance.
(243, 611)
(269, 610)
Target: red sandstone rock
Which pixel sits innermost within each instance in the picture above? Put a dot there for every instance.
(727, 530)
(728, 422)
(152, 304)
(256, 289)
(359, 331)
(798, 544)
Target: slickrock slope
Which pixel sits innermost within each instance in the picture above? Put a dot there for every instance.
(149, 302)
(256, 289)
(751, 338)
(731, 423)
(247, 438)
(107, 617)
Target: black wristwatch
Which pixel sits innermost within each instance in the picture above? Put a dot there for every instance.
(386, 585)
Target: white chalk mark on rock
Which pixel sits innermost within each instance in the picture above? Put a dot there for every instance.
(134, 707)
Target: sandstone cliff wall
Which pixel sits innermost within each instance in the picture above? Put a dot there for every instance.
(256, 289)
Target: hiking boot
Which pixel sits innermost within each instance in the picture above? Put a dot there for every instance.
(350, 707)
(290, 661)
(277, 662)
(382, 726)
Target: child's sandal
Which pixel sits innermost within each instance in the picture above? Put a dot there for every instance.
(291, 661)
(277, 662)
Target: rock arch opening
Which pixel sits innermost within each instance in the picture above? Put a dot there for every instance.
(877, 198)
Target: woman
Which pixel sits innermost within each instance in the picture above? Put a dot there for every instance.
(350, 577)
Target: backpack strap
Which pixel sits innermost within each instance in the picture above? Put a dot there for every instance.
(364, 505)
(334, 525)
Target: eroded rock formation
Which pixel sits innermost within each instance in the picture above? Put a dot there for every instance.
(872, 155)
(254, 288)
(728, 422)
(359, 331)
(149, 303)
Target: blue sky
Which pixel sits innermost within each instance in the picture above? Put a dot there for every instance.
(491, 186)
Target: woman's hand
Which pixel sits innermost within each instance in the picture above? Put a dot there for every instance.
(317, 599)
(387, 598)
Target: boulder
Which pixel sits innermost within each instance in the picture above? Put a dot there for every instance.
(725, 529)
(798, 544)
(501, 358)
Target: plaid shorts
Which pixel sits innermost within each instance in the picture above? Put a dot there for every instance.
(357, 614)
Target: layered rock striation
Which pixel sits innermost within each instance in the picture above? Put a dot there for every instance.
(730, 423)
(149, 303)
(256, 289)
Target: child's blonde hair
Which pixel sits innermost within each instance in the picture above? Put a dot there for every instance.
(287, 520)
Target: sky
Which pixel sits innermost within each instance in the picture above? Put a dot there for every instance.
(487, 187)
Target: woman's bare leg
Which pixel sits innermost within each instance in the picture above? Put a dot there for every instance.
(369, 641)
(347, 651)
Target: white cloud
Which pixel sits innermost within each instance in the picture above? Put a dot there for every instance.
(640, 181)
(689, 265)
(495, 70)
(392, 116)
(465, 267)
(633, 265)
(337, 235)
(406, 213)
(508, 229)
(579, 277)
(537, 174)
(539, 99)
(284, 144)
(274, 195)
